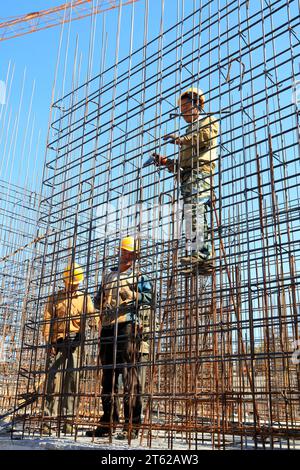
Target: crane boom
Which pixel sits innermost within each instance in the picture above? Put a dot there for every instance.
(44, 19)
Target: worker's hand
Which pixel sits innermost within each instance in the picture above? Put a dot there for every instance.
(127, 295)
(159, 159)
(93, 324)
(174, 139)
(52, 351)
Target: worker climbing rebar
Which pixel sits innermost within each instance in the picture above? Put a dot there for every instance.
(196, 164)
(124, 299)
(64, 323)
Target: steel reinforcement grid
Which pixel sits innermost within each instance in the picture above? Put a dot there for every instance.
(223, 366)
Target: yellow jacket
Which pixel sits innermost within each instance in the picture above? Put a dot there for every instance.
(63, 314)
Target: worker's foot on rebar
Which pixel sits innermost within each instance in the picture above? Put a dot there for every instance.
(193, 259)
(127, 435)
(204, 267)
(100, 431)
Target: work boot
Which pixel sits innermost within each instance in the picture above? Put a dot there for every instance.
(100, 431)
(124, 435)
(67, 429)
(204, 267)
(194, 258)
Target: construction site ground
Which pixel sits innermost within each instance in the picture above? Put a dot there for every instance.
(159, 442)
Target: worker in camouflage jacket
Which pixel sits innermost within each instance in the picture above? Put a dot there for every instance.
(196, 165)
(125, 300)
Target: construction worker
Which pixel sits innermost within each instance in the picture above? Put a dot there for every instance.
(64, 322)
(124, 299)
(196, 164)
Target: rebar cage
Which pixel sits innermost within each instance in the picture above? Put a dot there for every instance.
(223, 369)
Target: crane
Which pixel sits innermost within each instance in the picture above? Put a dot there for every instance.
(44, 19)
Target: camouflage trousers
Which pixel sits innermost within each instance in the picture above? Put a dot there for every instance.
(196, 192)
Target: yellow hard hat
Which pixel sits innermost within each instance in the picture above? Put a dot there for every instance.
(129, 244)
(193, 91)
(73, 274)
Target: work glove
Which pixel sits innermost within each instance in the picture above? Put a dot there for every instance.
(174, 139)
(159, 159)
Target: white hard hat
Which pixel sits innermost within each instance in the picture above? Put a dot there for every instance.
(193, 91)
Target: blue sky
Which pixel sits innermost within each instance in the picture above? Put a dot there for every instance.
(35, 56)
(23, 136)
(22, 152)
